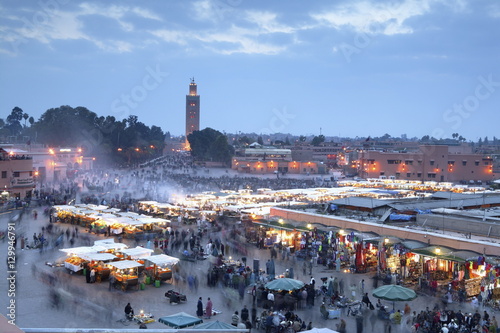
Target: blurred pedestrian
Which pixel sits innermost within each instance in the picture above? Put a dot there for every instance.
(199, 308)
(208, 308)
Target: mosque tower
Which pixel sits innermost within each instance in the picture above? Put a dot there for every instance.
(192, 110)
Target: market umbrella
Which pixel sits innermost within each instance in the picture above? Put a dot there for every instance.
(284, 284)
(180, 320)
(214, 325)
(394, 292)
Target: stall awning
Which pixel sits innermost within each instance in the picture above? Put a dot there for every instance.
(97, 256)
(443, 253)
(84, 249)
(412, 244)
(125, 264)
(114, 246)
(137, 252)
(163, 260)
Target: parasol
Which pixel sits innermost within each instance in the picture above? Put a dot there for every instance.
(180, 320)
(284, 284)
(394, 293)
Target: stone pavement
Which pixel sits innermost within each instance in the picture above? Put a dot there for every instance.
(85, 305)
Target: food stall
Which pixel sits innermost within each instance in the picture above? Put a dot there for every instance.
(161, 266)
(135, 253)
(75, 261)
(109, 245)
(126, 273)
(98, 262)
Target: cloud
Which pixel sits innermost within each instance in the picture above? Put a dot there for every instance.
(230, 41)
(60, 23)
(213, 10)
(267, 23)
(374, 17)
(250, 31)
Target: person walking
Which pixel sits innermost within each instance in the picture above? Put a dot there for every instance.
(208, 309)
(112, 280)
(199, 308)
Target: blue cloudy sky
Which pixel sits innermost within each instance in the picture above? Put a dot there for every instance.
(347, 68)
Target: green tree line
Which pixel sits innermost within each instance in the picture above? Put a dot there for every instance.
(110, 140)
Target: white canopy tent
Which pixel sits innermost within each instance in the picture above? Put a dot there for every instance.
(125, 264)
(97, 256)
(162, 260)
(137, 252)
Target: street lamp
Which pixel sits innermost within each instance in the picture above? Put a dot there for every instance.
(281, 237)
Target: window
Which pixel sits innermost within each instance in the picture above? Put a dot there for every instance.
(409, 162)
(408, 174)
(382, 173)
(451, 162)
(431, 175)
(464, 163)
(476, 163)
(419, 174)
(4, 174)
(398, 174)
(15, 173)
(393, 161)
(486, 163)
(431, 162)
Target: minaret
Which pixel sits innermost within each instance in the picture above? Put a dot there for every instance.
(192, 111)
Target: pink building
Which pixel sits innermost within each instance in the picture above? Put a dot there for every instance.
(428, 163)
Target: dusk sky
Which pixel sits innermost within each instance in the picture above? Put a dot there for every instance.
(347, 68)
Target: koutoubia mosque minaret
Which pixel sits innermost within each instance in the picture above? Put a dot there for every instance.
(192, 111)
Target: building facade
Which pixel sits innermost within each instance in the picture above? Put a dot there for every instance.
(428, 163)
(16, 175)
(273, 160)
(192, 110)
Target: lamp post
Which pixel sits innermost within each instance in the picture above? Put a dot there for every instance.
(281, 237)
(438, 252)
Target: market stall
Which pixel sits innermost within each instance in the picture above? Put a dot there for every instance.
(136, 253)
(161, 266)
(126, 273)
(98, 262)
(75, 261)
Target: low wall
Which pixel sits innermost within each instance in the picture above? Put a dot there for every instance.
(431, 238)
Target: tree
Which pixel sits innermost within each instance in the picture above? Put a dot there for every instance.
(317, 140)
(302, 138)
(287, 141)
(260, 141)
(25, 116)
(244, 140)
(14, 121)
(210, 145)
